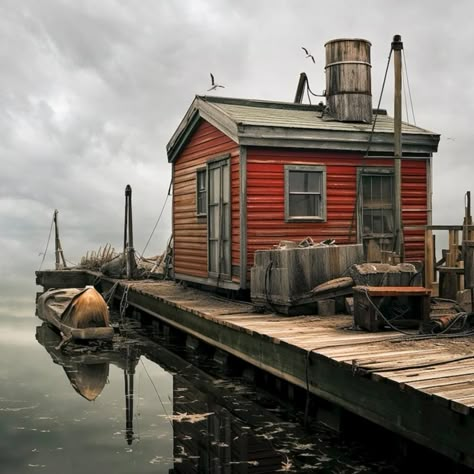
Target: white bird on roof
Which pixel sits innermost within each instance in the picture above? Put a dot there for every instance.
(308, 54)
(214, 85)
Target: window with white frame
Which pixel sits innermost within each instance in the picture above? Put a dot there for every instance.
(305, 193)
(201, 192)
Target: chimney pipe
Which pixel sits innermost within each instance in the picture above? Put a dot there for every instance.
(348, 80)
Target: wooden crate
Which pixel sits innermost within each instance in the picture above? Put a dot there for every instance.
(366, 298)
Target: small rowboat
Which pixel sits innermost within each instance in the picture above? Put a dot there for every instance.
(78, 313)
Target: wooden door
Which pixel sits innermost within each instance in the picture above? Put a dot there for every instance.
(219, 219)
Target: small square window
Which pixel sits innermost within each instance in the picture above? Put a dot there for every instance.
(201, 192)
(305, 188)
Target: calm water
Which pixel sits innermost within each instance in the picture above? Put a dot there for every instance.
(141, 408)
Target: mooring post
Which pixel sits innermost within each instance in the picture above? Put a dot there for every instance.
(397, 47)
(57, 244)
(128, 250)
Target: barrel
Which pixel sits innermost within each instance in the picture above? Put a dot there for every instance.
(348, 80)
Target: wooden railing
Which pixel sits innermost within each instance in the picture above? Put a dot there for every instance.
(449, 269)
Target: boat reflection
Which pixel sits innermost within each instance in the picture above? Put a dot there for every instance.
(88, 372)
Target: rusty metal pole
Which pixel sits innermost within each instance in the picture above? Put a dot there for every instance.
(397, 47)
(467, 216)
(303, 81)
(129, 252)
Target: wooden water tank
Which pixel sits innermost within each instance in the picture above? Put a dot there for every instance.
(348, 83)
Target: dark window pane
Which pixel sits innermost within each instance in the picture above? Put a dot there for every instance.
(305, 182)
(201, 192)
(378, 221)
(201, 180)
(387, 193)
(305, 205)
(377, 191)
(202, 203)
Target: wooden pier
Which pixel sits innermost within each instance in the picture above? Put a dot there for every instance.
(420, 389)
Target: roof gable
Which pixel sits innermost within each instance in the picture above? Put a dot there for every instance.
(283, 124)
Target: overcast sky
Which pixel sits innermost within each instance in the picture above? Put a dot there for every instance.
(91, 91)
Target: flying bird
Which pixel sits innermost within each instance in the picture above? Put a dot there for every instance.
(308, 54)
(214, 85)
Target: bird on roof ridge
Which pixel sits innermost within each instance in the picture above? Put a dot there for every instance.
(214, 85)
(308, 54)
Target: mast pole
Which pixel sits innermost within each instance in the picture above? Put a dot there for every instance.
(60, 260)
(397, 47)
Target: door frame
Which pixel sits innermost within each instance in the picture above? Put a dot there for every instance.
(368, 171)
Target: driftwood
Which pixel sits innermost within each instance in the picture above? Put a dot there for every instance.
(94, 260)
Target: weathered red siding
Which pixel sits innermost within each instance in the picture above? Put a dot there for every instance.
(266, 224)
(235, 214)
(190, 231)
(414, 205)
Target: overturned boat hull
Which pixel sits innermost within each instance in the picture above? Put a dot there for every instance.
(78, 313)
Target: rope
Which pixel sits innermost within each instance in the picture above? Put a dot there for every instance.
(158, 220)
(47, 244)
(157, 393)
(408, 84)
(110, 294)
(404, 89)
(310, 91)
(124, 303)
(386, 320)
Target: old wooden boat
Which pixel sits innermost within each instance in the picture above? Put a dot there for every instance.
(77, 313)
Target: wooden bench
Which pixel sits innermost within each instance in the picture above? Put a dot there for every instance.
(368, 298)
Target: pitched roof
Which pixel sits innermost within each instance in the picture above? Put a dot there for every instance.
(286, 124)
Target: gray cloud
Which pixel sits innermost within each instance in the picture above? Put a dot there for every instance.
(90, 93)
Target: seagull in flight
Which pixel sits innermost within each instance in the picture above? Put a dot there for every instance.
(308, 54)
(214, 85)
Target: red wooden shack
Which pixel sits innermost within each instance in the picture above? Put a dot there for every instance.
(248, 174)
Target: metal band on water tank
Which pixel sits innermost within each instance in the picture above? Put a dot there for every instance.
(365, 63)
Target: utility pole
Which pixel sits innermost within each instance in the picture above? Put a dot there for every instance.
(128, 250)
(397, 47)
(60, 260)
